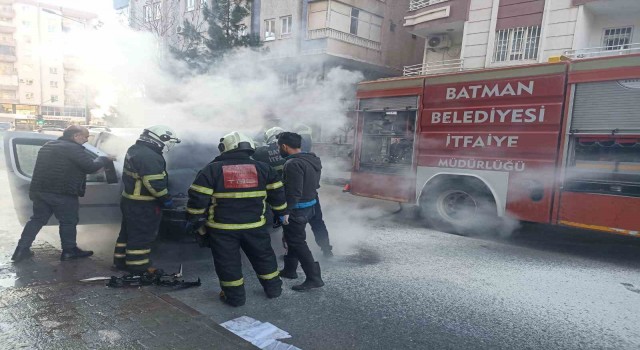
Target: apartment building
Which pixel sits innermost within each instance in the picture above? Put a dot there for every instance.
(36, 76)
(363, 35)
(476, 34)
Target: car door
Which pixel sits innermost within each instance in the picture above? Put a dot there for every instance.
(100, 205)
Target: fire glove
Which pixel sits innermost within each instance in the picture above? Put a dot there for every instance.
(196, 228)
(202, 237)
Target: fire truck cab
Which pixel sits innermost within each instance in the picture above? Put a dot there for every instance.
(551, 143)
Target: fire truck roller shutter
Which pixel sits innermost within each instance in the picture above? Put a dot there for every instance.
(461, 205)
(601, 107)
(389, 103)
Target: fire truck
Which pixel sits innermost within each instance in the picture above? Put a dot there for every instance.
(555, 143)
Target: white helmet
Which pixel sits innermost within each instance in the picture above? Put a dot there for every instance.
(302, 129)
(236, 141)
(163, 135)
(271, 134)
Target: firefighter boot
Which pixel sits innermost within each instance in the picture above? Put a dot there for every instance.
(290, 267)
(231, 302)
(313, 280)
(272, 288)
(21, 254)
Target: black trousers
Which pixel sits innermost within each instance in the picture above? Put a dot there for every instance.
(296, 237)
(256, 244)
(320, 232)
(138, 231)
(64, 207)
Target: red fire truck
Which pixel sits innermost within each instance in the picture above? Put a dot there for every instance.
(551, 143)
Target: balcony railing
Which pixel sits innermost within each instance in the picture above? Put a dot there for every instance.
(603, 51)
(418, 4)
(346, 37)
(434, 68)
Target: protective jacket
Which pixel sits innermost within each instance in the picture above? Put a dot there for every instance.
(230, 192)
(270, 154)
(145, 174)
(302, 179)
(62, 166)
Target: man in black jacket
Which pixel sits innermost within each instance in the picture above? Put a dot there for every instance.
(59, 178)
(301, 180)
(145, 190)
(228, 196)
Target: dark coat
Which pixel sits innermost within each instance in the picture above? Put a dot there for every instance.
(62, 167)
(301, 178)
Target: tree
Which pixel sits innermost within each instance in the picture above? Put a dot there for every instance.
(226, 31)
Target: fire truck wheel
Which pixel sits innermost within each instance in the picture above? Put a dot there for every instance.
(464, 207)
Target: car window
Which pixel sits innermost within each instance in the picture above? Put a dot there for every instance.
(26, 152)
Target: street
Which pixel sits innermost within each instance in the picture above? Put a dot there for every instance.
(393, 284)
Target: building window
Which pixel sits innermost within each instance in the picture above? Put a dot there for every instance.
(29, 82)
(7, 50)
(54, 98)
(53, 84)
(287, 25)
(53, 70)
(517, 44)
(26, 24)
(353, 28)
(269, 29)
(191, 5)
(617, 38)
(203, 3)
(147, 14)
(157, 10)
(29, 95)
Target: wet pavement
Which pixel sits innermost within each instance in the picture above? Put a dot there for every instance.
(392, 285)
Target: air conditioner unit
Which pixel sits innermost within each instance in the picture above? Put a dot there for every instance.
(441, 41)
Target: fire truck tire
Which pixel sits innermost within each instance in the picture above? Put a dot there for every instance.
(459, 206)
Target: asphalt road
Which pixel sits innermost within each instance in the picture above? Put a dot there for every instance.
(394, 284)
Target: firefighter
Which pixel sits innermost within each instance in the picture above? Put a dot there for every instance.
(301, 179)
(145, 193)
(228, 197)
(270, 154)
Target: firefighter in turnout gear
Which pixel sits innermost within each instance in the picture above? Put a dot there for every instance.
(228, 197)
(145, 193)
(270, 154)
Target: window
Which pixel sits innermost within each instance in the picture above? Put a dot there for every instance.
(157, 10)
(53, 84)
(353, 29)
(8, 95)
(147, 14)
(26, 24)
(29, 95)
(26, 152)
(191, 5)
(203, 3)
(53, 70)
(7, 50)
(617, 38)
(29, 82)
(269, 29)
(387, 142)
(517, 44)
(286, 25)
(54, 98)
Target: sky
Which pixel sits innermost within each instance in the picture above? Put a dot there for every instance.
(99, 7)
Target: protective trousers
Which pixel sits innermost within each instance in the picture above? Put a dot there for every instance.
(256, 244)
(64, 207)
(139, 229)
(295, 236)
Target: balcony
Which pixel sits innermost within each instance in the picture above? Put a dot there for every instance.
(603, 51)
(8, 42)
(9, 80)
(6, 27)
(418, 4)
(8, 58)
(449, 66)
(7, 13)
(341, 36)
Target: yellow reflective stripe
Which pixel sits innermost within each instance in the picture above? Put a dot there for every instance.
(121, 244)
(214, 224)
(138, 197)
(119, 255)
(274, 185)
(195, 211)
(279, 167)
(132, 174)
(147, 183)
(137, 188)
(269, 276)
(280, 207)
(212, 210)
(137, 262)
(201, 189)
(250, 194)
(138, 251)
(235, 283)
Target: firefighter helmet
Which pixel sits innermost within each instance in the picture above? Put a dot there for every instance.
(271, 134)
(302, 129)
(236, 141)
(163, 135)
